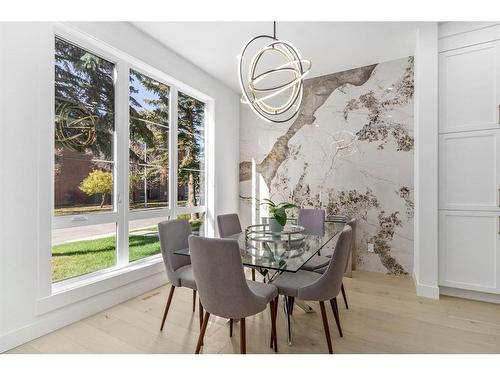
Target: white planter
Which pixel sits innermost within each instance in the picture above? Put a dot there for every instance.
(274, 226)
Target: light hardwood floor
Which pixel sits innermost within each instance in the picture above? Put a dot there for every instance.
(384, 316)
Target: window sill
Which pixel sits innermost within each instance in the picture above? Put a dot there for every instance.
(71, 291)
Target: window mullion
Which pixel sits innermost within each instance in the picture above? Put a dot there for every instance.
(121, 161)
(173, 151)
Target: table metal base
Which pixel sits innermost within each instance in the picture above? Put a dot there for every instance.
(304, 306)
(287, 307)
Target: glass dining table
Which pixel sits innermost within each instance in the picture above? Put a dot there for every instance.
(272, 254)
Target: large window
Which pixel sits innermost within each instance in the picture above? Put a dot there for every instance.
(84, 128)
(149, 139)
(83, 161)
(107, 206)
(149, 105)
(191, 151)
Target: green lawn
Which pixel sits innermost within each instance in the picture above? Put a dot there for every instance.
(81, 257)
(78, 258)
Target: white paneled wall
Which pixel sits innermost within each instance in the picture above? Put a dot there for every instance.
(469, 170)
(469, 87)
(469, 245)
(469, 161)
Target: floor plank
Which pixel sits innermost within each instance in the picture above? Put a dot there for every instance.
(384, 316)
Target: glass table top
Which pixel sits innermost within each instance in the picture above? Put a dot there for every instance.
(282, 252)
(328, 218)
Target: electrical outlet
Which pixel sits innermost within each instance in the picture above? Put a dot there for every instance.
(371, 248)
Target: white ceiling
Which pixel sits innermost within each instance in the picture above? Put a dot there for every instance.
(331, 46)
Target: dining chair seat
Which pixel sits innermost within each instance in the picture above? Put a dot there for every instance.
(186, 277)
(317, 261)
(329, 248)
(320, 270)
(289, 283)
(266, 291)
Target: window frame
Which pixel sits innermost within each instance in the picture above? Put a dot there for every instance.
(121, 215)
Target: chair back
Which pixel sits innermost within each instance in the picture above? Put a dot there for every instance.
(313, 220)
(174, 236)
(229, 224)
(329, 284)
(220, 279)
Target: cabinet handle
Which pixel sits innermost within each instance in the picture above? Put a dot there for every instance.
(499, 225)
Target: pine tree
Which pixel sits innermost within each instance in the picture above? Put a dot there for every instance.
(86, 81)
(191, 145)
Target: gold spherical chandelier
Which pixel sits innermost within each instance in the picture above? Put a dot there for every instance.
(274, 94)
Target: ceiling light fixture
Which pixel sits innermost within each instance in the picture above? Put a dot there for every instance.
(274, 94)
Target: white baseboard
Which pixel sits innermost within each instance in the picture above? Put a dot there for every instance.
(470, 294)
(426, 291)
(78, 311)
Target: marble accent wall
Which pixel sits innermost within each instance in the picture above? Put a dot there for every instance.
(350, 151)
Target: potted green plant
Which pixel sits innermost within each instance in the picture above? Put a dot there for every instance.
(278, 214)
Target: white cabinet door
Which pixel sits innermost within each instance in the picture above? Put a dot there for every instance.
(469, 88)
(469, 170)
(469, 250)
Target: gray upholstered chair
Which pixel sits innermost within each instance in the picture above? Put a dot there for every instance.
(313, 221)
(352, 224)
(174, 236)
(229, 225)
(223, 289)
(312, 286)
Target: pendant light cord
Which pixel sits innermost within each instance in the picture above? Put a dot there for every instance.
(274, 29)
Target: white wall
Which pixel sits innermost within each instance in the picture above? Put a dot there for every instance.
(426, 161)
(26, 78)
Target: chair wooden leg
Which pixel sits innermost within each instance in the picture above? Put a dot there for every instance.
(230, 327)
(243, 343)
(169, 301)
(194, 300)
(286, 307)
(200, 312)
(271, 306)
(274, 338)
(325, 326)
(271, 341)
(276, 304)
(335, 309)
(292, 303)
(344, 295)
(202, 332)
(253, 274)
(274, 313)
